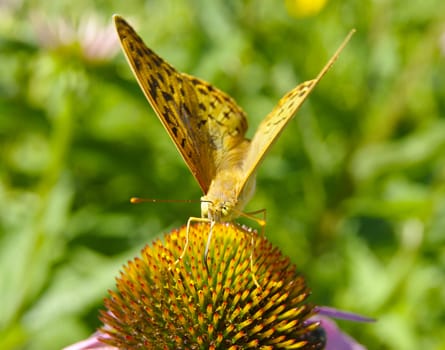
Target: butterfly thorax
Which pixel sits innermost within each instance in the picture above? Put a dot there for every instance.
(229, 190)
(225, 200)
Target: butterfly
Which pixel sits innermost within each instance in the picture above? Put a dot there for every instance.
(208, 127)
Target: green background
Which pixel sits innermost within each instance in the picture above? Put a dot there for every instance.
(354, 189)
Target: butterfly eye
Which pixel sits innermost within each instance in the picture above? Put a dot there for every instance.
(225, 210)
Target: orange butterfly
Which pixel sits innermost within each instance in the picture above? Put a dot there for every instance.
(208, 127)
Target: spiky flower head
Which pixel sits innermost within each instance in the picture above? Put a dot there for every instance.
(165, 303)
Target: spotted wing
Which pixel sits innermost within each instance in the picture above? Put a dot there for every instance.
(274, 123)
(201, 120)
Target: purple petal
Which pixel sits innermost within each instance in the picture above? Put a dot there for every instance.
(343, 315)
(335, 338)
(92, 343)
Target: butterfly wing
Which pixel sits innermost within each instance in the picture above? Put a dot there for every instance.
(274, 123)
(200, 119)
(226, 122)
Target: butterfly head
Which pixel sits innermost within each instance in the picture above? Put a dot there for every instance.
(217, 210)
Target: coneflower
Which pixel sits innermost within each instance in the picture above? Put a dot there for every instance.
(163, 303)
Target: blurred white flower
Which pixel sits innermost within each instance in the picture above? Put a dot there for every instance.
(96, 41)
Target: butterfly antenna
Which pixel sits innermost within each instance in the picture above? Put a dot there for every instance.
(137, 200)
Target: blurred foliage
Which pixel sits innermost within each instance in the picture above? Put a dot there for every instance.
(354, 189)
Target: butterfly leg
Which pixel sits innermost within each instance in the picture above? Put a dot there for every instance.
(209, 238)
(189, 221)
(261, 222)
(252, 239)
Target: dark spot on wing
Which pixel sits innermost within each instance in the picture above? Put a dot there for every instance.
(167, 96)
(157, 60)
(216, 120)
(203, 91)
(166, 115)
(226, 98)
(153, 87)
(187, 111)
(302, 92)
(160, 77)
(137, 63)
